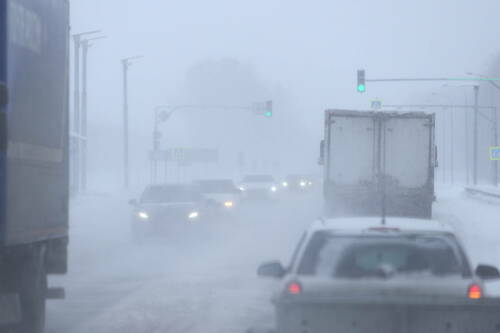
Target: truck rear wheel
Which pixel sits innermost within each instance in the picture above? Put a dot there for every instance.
(31, 285)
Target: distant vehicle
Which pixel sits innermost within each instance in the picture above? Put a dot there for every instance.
(221, 193)
(366, 154)
(259, 187)
(166, 209)
(34, 163)
(297, 183)
(355, 275)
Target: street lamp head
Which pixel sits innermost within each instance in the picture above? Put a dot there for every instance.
(127, 61)
(79, 35)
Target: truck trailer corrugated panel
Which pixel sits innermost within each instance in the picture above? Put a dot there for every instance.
(34, 126)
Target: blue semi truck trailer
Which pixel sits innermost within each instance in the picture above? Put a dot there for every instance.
(34, 157)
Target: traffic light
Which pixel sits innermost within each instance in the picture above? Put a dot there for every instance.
(269, 109)
(361, 81)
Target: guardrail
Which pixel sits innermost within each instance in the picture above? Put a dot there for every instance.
(491, 194)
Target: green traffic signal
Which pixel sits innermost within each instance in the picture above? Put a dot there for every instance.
(269, 109)
(361, 81)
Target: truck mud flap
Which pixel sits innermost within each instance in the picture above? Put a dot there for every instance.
(389, 319)
(10, 309)
(55, 293)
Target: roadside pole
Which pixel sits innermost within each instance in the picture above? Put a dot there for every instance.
(125, 124)
(475, 136)
(452, 146)
(86, 44)
(126, 63)
(495, 129)
(75, 169)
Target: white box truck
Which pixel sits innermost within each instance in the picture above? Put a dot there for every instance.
(378, 163)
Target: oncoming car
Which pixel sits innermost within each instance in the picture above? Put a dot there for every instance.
(355, 275)
(259, 187)
(166, 208)
(296, 183)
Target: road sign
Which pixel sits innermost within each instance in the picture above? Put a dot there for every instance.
(495, 153)
(376, 104)
(185, 156)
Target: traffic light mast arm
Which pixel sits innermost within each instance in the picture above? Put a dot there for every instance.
(434, 79)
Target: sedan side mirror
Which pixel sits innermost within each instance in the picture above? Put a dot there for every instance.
(132, 202)
(487, 272)
(272, 269)
(4, 94)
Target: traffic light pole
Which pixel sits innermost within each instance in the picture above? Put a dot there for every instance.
(266, 112)
(475, 135)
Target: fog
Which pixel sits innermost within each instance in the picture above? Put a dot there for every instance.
(210, 62)
(303, 56)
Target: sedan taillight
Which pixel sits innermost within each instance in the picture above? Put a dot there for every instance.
(474, 291)
(294, 288)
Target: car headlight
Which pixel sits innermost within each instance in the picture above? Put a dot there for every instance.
(274, 189)
(303, 183)
(309, 183)
(228, 204)
(143, 215)
(285, 184)
(242, 189)
(193, 215)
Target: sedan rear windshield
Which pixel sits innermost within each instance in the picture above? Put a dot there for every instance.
(374, 256)
(169, 194)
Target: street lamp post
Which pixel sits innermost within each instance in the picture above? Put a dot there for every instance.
(76, 136)
(126, 63)
(495, 124)
(86, 44)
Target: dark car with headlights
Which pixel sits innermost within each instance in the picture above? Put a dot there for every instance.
(408, 275)
(221, 195)
(167, 208)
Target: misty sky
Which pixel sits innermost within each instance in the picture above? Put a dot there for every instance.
(310, 49)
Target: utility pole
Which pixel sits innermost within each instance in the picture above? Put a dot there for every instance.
(126, 63)
(495, 129)
(495, 132)
(444, 162)
(84, 138)
(85, 50)
(466, 144)
(475, 135)
(75, 169)
(452, 146)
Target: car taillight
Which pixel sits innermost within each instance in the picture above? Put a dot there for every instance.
(474, 292)
(294, 288)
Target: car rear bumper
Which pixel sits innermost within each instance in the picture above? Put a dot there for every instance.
(457, 317)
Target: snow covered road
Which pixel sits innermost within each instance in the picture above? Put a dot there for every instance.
(203, 282)
(206, 281)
